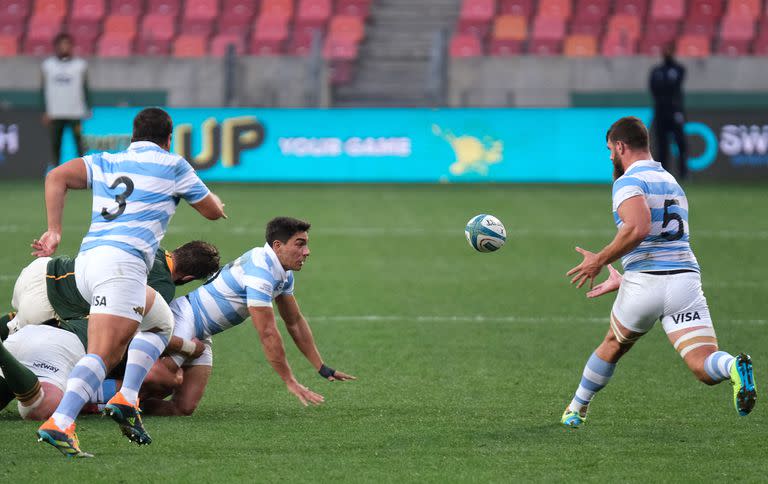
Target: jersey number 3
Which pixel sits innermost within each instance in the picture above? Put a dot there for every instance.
(119, 198)
(668, 217)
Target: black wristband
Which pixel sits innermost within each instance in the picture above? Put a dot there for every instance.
(326, 371)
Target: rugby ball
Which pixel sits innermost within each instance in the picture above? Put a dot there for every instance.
(485, 233)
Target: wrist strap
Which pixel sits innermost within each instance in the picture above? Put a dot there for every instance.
(326, 371)
(188, 347)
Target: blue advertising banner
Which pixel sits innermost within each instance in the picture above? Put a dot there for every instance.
(381, 145)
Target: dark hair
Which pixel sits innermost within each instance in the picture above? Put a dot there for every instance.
(283, 228)
(197, 259)
(630, 131)
(60, 37)
(152, 124)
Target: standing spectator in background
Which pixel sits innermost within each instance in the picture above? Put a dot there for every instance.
(65, 94)
(666, 84)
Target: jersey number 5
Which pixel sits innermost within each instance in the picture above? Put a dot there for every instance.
(119, 198)
(668, 217)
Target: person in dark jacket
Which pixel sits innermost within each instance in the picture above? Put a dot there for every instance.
(666, 84)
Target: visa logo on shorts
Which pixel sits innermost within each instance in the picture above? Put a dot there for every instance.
(686, 317)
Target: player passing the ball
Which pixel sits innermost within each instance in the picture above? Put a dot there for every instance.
(661, 278)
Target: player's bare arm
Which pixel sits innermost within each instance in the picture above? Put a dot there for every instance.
(272, 343)
(210, 207)
(301, 333)
(72, 175)
(636, 217)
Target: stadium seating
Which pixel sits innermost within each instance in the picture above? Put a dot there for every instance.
(614, 27)
(9, 45)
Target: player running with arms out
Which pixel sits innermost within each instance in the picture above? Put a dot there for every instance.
(661, 279)
(135, 194)
(247, 287)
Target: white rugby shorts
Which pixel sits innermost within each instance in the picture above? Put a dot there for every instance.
(113, 280)
(677, 300)
(49, 352)
(184, 328)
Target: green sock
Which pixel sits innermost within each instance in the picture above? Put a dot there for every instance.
(22, 382)
(6, 395)
(4, 325)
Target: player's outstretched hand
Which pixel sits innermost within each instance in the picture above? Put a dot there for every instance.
(589, 268)
(304, 394)
(46, 245)
(609, 285)
(340, 376)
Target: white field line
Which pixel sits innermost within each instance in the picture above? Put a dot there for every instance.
(377, 318)
(230, 228)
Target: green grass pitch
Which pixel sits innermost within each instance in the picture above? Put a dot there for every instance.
(465, 360)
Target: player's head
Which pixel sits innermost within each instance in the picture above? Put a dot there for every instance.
(668, 52)
(289, 238)
(62, 45)
(627, 139)
(155, 125)
(194, 260)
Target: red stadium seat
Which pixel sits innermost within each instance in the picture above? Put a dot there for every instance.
(744, 8)
(277, 8)
(737, 28)
(705, 9)
(547, 35)
(240, 8)
(580, 46)
(15, 9)
(269, 35)
(189, 46)
(12, 27)
(693, 46)
(157, 27)
(475, 17)
(592, 9)
(523, 8)
(623, 24)
(508, 35)
(234, 25)
(700, 26)
(164, 7)
(465, 45)
(120, 25)
(221, 42)
(313, 14)
(153, 47)
(346, 28)
(126, 7)
(663, 30)
(339, 50)
(87, 10)
(618, 43)
(588, 26)
(9, 45)
(631, 7)
(554, 8)
(653, 46)
(667, 10)
(84, 32)
(301, 42)
(358, 8)
(112, 45)
(199, 16)
(40, 34)
(50, 8)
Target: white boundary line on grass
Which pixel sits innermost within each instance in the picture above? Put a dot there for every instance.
(380, 318)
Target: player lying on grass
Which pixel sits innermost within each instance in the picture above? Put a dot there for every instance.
(661, 279)
(38, 357)
(246, 287)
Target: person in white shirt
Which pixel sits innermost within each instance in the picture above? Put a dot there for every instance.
(65, 94)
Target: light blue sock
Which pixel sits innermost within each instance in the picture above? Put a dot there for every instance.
(82, 386)
(144, 350)
(718, 365)
(597, 373)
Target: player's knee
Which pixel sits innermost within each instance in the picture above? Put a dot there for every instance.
(185, 409)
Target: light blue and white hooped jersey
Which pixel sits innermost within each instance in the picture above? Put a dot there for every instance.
(667, 246)
(254, 279)
(135, 194)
